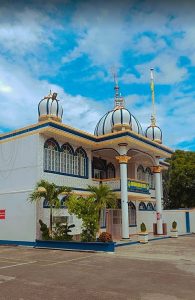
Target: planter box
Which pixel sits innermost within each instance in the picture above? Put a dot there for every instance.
(73, 245)
(143, 237)
(174, 233)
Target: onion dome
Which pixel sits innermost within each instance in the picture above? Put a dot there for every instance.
(154, 132)
(117, 119)
(50, 108)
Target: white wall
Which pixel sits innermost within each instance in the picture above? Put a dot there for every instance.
(148, 218)
(19, 223)
(18, 175)
(18, 164)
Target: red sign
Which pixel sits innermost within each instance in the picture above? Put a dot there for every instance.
(2, 214)
(158, 216)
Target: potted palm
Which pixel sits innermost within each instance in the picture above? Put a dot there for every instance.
(174, 231)
(143, 235)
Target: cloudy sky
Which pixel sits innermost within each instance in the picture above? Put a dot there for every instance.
(71, 47)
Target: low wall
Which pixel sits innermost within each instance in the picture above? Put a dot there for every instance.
(185, 220)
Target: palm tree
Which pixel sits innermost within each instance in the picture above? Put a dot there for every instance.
(49, 192)
(104, 198)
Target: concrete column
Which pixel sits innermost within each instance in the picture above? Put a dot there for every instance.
(156, 171)
(123, 160)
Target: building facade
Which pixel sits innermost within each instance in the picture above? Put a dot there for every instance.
(119, 154)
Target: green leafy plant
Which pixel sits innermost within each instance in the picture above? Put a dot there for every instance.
(45, 230)
(174, 225)
(103, 198)
(85, 209)
(50, 192)
(143, 227)
(105, 237)
(62, 232)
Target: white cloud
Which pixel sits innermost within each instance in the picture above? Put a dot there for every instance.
(21, 94)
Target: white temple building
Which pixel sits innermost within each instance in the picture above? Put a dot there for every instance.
(119, 154)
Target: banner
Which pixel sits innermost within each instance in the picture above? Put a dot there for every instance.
(138, 187)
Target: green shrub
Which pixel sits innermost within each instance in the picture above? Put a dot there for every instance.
(143, 227)
(61, 232)
(45, 230)
(105, 237)
(174, 225)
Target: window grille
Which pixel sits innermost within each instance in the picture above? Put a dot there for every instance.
(132, 214)
(67, 160)
(51, 156)
(142, 206)
(110, 171)
(140, 173)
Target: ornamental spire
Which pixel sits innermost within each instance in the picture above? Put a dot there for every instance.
(118, 99)
(153, 116)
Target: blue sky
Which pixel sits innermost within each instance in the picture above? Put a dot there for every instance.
(72, 47)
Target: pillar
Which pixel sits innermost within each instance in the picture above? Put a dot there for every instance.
(123, 160)
(156, 171)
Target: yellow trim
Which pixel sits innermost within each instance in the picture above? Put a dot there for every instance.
(50, 118)
(156, 169)
(123, 159)
(92, 144)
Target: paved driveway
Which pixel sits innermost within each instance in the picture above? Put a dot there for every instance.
(163, 269)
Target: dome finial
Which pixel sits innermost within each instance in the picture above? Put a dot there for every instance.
(153, 116)
(153, 132)
(118, 99)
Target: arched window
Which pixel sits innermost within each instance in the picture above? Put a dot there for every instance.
(148, 177)
(63, 202)
(67, 159)
(80, 162)
(110, 171)
(140, 173)
(142, 206)
(46, 204)
(150, 206)
(51, 156)
(132, 214)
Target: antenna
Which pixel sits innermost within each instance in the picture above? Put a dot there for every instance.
(153, 116)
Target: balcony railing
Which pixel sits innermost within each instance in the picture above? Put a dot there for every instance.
(133, 185)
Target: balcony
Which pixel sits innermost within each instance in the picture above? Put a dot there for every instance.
(133, 185)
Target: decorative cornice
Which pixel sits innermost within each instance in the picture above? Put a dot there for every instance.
(123, 159)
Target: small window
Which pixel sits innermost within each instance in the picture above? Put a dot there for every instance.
(110, 171)
(142, 206)
(150, 206)
(132, 214)
(140, 173)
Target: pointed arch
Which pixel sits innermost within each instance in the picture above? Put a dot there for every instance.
(142, 206)
(51, 156)
(67, 159)
(150, 206)
(140, 173)
(132, 214)
(80, 162)
(110, 171)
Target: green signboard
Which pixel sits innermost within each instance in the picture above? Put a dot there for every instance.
(138, 187)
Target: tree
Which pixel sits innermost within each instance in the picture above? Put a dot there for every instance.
(104, 198)
(89, 209)
(179, 180)
(49, 192)
(85, 209)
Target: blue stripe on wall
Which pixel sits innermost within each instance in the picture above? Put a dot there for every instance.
(187, 221)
